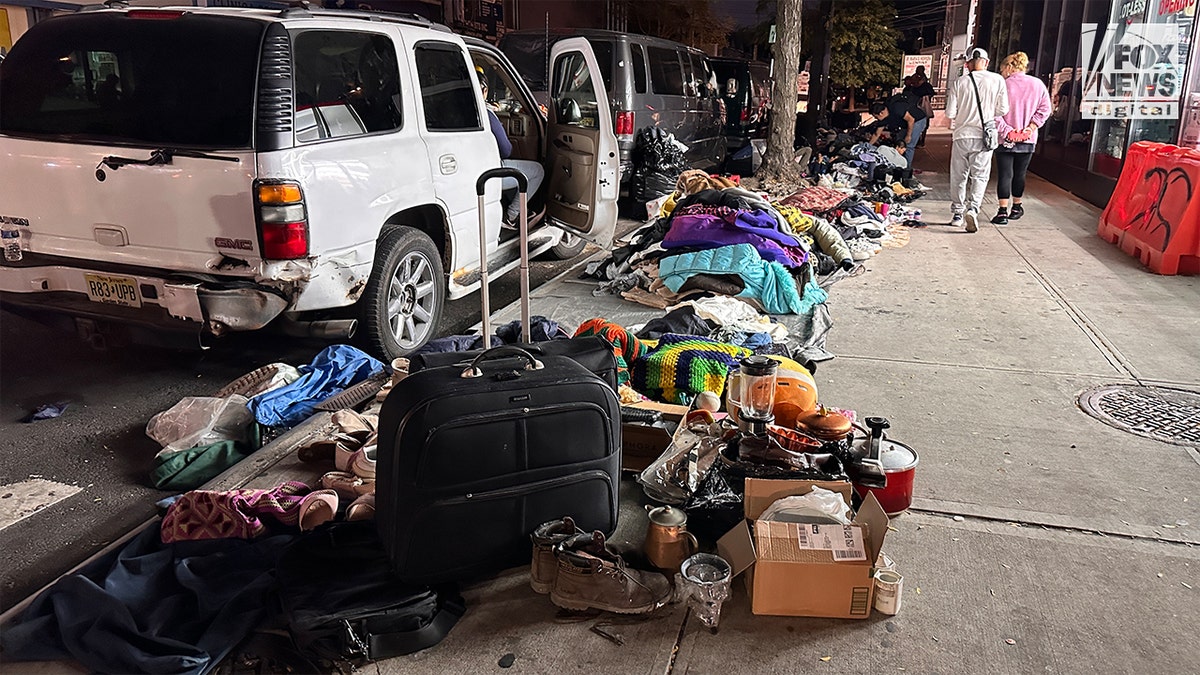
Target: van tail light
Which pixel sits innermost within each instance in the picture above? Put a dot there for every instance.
(282, 220)
(624, 123)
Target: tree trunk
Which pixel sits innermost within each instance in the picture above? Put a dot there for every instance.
(779, 164)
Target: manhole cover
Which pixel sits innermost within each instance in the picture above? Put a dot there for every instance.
(1161, 413)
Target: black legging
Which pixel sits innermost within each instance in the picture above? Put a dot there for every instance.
(1011, 167)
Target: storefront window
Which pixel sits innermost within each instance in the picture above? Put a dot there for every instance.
(1146, 94)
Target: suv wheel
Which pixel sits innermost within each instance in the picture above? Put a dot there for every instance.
(403, 299)
(568, 247)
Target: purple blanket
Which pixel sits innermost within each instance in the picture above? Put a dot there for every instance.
(713, 227)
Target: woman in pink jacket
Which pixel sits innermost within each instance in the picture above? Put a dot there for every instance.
(1028, 109)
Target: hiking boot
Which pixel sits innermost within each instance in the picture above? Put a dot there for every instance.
(592, 577)
(1016, 212)
(544, 567)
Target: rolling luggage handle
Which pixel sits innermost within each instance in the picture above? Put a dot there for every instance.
(474, 370)
(523, 227)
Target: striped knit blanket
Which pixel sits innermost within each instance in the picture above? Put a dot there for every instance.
(685, 365)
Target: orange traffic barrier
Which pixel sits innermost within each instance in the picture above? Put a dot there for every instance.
(1154, 212)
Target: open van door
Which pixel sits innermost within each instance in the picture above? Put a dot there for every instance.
(582, 156)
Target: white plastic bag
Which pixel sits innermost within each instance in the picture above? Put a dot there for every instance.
(201, 420)
(818, 506)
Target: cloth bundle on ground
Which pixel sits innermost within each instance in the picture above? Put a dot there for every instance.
(682, 366)
(816, 199)
(823, 234)
(189, 469)
(768, 282)
(332, 371)
(680, 321)
(694, 180)
(703, 226)
(626, 346)
(237, 514)
(149, 607)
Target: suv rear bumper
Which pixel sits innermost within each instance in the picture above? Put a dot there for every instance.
(216, 307)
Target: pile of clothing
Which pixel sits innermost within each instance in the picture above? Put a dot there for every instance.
(713, 237)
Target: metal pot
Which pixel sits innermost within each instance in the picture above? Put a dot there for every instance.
(898, 462)
(824, 424)
(668, 543)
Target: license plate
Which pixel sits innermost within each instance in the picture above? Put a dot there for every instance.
(112, 290)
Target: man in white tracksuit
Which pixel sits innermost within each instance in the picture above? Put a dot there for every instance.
(970, 161)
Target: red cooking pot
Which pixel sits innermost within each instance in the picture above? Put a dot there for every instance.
(899, 464)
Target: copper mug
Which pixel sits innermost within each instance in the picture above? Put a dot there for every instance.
(668, 543)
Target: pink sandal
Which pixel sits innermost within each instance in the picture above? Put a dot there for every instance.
(317, 508)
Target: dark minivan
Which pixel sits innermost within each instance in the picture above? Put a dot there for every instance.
(745, 87)
(650, 82)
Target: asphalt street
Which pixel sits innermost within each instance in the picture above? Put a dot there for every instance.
(88, 469)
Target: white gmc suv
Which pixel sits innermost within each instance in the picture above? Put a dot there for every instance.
(224, 169)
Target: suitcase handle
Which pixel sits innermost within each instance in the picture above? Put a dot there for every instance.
(473, 370)
(523, 227)
(502, 172)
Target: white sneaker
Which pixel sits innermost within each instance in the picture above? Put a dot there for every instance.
(972, 221)
(956, 219)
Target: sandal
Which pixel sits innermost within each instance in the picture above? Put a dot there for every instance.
(317, 508)
(347, 486)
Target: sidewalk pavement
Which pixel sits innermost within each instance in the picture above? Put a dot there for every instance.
(1041, 540)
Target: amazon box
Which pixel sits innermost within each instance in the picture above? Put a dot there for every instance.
(802, 569)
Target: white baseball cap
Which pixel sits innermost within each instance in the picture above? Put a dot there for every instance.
(977, 53)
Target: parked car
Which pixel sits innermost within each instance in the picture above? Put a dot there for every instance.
(213, 170)
(650, 82)
(745, 87)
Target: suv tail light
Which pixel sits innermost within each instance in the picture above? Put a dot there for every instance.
(745, 114)
(624, 123)
(282, 219)
(153, 14)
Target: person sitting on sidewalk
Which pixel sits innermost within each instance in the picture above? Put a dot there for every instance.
(533, 170)
(977, 95)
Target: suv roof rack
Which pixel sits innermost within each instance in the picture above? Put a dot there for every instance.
(301, 9)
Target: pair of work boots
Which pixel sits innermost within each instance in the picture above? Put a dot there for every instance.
(580, 572)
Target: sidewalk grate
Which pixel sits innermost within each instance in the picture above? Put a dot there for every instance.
(1161, 413)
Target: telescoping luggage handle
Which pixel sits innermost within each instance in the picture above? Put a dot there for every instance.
(474, 370)
(523, 226)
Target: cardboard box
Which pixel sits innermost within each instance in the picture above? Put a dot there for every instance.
(806, 570)
(641, 444)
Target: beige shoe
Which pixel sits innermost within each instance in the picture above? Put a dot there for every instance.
(347, 486)
(544, 567)
(363, 508)
(592, 577)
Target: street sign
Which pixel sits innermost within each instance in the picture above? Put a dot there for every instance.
(911, 61)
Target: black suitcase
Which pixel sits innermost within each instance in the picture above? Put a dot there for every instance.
(472, 458)
(593, 353)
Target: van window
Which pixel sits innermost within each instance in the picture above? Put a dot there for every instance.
(112, 79)
(346, 83)
(604, 58)
(665, 74)
(574, 94)
(639, 69)
(447, 92)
